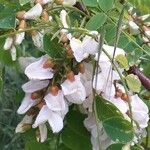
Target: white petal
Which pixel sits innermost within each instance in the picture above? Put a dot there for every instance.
(63, 18)
(26, 104)
(90, 45)
(141, 118)
(36, 70)
(144, 17)
(8, 43)
(34, 12)
(46, 1)
(55, 121)
(26, 61)
(69, 2)
(19, 37)
(55, 103)
(134, 28)
(74, 91)
(34, 85)
(78, 51)
(43, 132)
(42, 117)
(120, 104)
(13, 52)
(138, 105)
(38, 40)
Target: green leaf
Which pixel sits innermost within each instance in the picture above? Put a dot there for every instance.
(90, 3)
(23, 2)
(96, 21)
(133, 82)
(53, 48)
(106, 4)
(33, 145)
(122, 61)
(106, 110)
(117, 146)
(8, 22)
(74, 135)
(118, 129)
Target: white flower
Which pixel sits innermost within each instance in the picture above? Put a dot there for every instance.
(34, 12)
(53, 118)
(97, 139)
(77, 48)
(42, 133)
(74, 91)
(56, 103)
(69, 2)
(34, 85)
(26, 61)
(43, 2)
(103, 82)
(8, 43)
(27, 103)
(134, 28)
(110, 51)
(19, 37)
(13, 52)
(82, 49)
(31, 87)
(37, 71)
(139, 111)
(24, 124)
(37, 38)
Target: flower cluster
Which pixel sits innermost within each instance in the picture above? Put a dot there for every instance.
(54, 86)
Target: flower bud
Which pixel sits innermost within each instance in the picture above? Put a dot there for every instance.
(13, 52)
(68, 51)
(125, 97)
(54, 90)
(48, 64)
(70, 76)
(22, 24)
(63, 37)
(42, 2)
(34, 12)
(81, 68)
(8, 43)
(118, 93)
(20, 15)
(144, 17)
(45, 16)
(59, 2)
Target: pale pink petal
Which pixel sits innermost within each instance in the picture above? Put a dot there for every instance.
(36, 70)
(42, 116)
(55, 121)
(134, 28)
(26, 104)
(78, 51)
(34, 12)
(55, 103)
(34, 85)
(74, 91)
